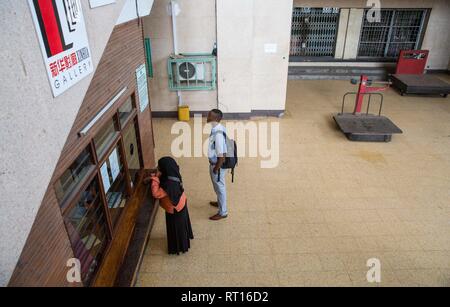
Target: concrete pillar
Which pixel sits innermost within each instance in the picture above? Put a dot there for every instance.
(235, 48)
(253, 54)
(272, 27)
(342, 33)
(353, 33)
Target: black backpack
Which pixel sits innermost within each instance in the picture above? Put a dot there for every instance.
(231, 160)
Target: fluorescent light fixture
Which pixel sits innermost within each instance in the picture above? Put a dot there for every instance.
(102, 112)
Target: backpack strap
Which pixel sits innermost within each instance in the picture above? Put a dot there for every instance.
(214, 146)
(214, 133)
(232, 175)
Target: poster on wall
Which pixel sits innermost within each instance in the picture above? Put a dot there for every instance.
(141, 78)
(270, 48)
(62, 35)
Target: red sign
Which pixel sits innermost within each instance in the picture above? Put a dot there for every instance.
(63, 39)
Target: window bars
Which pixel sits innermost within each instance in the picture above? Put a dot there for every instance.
(399, 29)
(314, 31)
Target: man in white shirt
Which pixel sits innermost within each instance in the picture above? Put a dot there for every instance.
(217, 151)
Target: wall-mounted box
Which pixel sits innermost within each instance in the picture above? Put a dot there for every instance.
(192, 72)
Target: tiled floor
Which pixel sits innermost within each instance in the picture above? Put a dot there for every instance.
(329, 207)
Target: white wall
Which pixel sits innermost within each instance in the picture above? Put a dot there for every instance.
(34, 125)
(271, 25)
(342, 33)
(437, 36)
(351, 45)
(248, 78)
(196, 28)
(235, 50)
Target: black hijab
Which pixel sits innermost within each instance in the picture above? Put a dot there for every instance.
(169, 168)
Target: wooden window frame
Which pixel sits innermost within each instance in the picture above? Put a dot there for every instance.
(70, 200)
(133, 120)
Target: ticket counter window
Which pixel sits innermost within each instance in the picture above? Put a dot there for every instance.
(105, 138)
(93, 192)
(114, 183)
(74, 175)
(132, 152)
(126, 111)
(87, 228)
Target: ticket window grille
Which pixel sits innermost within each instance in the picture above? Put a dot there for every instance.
(399, 29)
(314, 32)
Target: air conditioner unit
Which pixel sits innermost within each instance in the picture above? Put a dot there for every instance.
(191, 71)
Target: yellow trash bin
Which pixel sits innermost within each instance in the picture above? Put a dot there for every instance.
(183, 113)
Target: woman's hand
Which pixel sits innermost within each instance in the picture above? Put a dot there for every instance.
(156, 174)
(152, 175)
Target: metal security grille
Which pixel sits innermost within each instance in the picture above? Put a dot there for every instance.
(398, 30)
(314, 31)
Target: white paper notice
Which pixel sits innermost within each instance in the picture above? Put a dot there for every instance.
(114, 163)
(270, 48)
(142, 87)
(105, 177)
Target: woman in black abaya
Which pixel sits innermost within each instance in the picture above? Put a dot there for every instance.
(167, 186)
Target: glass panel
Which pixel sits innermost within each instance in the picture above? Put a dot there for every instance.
(87, 228)
(73, 175)
(104, 138)
(113, 178)
(132, 151)
(125, 111)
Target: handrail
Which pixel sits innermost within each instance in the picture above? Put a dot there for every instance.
(368, 104)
